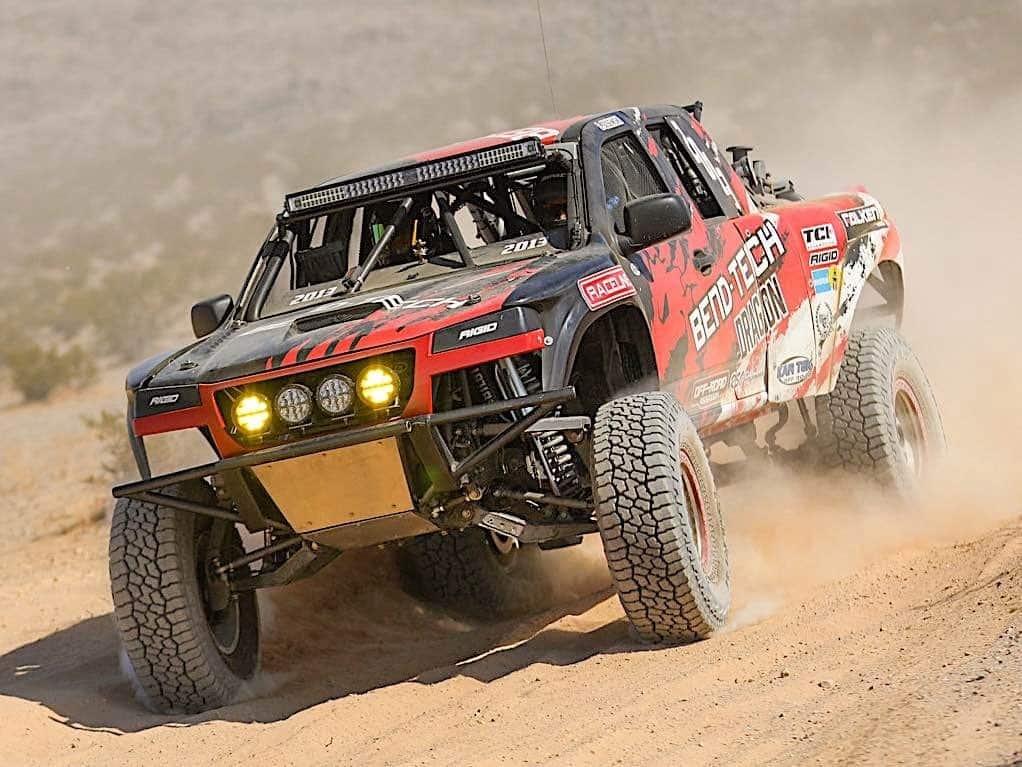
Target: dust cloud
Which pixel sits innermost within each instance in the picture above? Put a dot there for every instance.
(150, 135)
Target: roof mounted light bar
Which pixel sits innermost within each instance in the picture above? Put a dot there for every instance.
(319, 199)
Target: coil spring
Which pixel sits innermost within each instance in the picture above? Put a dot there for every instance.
(558, 454)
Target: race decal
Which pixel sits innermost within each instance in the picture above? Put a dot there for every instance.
(819, 237)
(794, 370)
(824, 319)
(521, 245)
(478, 330)
(395, 303)
(707, 391)
(860, 220)
(766, 306)
(824, 257)
(608, 122)
(605, 287)
(826, 280)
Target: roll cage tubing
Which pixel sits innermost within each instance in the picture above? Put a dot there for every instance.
(468, 191)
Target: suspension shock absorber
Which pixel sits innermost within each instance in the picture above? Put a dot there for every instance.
(482, 385)
(552, 450)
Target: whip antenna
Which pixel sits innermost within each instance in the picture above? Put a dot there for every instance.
(546, 57)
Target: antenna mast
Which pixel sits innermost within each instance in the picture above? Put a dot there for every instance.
(546, 57)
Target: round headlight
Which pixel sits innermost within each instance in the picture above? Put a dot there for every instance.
(294, 403)
(252, 413)
(335, 394)
(378, 385)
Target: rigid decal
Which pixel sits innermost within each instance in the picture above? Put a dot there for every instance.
(164, 399)
(819, 237)
(605, 287)
(826, 280)
(766, 307)
(824, 257)
(794, 370)
(478, 330)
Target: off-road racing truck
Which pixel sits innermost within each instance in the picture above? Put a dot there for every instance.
(497, 348)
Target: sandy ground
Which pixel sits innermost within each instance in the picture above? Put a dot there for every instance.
(859, 635)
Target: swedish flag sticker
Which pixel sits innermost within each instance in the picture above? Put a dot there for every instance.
(826, 280)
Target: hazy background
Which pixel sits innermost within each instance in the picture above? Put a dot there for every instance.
(144, 148)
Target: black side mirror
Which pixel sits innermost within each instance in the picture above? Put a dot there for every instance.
(208, 315)
(656, 218)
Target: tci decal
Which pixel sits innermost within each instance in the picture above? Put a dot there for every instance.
(819, 237)
(605, 287)
(718, 302)
(794, 370)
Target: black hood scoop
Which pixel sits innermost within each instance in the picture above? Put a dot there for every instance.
(336, 317)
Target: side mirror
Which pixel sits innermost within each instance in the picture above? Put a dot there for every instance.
(208, 315)
(656, 218)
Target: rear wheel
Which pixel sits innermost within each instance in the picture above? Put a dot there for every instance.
(881, 420)
(476, 572)
(190, 642)
(659, 518)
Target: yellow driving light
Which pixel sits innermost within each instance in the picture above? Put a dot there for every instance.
(377, 386)
(252, 413)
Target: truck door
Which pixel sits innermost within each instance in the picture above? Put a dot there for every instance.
(736, 369)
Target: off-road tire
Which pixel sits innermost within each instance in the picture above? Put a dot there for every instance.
(881, 420)
(659, 518)
(465, 572)
(160, 611)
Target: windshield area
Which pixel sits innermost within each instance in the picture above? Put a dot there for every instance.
(482, 221)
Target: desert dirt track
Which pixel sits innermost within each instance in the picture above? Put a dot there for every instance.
(857, 636)
(902, 647)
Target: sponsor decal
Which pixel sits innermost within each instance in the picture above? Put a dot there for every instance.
(819, 237)
(824, 257)
(794, 370)
(824, 320)
(478, 330)
(711, 169)
(518, 247)
(826, 280)
(313, 295)
(395, 303)
(867, 214)
(539, 131)
(762, 314)
(709, 390)
(605, 287)
(611, 121)
(766, 307)
(164, 399)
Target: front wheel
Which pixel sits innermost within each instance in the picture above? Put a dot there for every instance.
(190, 642)
(659, 518)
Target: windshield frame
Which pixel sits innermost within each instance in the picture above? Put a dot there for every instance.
(269, 262)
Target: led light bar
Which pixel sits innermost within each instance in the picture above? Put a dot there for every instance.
(347, 192)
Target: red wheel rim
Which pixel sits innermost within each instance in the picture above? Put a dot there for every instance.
(909, 425)
(695, 510)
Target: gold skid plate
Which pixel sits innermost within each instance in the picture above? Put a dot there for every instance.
(349, 484)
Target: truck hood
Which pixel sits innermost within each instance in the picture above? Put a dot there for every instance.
(355, 322)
